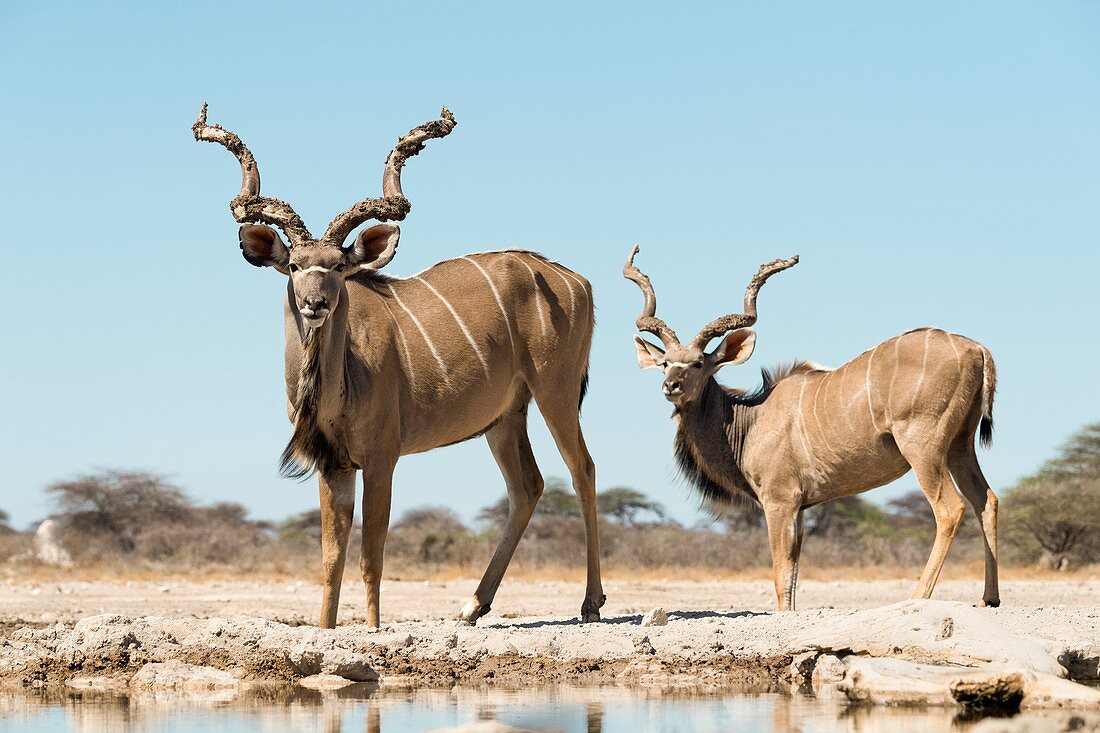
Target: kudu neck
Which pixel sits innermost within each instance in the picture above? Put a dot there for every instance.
(322, 358)
(317, 388)
(710, 440)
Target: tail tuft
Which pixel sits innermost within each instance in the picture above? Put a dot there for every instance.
(584, 388)
(989, 388)
(985, 432)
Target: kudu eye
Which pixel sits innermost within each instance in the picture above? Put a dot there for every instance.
(697, 365)
(341, 267)
(294, 267)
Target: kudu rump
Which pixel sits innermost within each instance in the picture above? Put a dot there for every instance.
(379, 367)
(811, 434)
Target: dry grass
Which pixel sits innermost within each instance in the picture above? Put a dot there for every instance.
(43, 574)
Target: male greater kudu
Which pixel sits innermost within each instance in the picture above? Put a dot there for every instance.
(380, 367)
(811, 434)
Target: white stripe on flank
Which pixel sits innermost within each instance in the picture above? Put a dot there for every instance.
(871, 409)
(802, 423)
(574, 276)
(951, 341)
(538, 298)
(427, 340)
(405, 347)
(920, 377)
(843, 382)
(823, 433)
(500, 303)
(465, 331)
(893, 378)
(572, 295)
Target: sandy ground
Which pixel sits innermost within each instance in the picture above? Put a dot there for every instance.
(1029, 607)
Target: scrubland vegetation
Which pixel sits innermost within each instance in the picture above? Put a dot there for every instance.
(124, 521)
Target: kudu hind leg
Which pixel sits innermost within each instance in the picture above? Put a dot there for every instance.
(948, 509)
(512, 450)
(337, 494)
(971, 482)
(563, 420)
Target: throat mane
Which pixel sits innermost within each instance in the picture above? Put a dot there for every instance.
(309, 448)
(709, 440)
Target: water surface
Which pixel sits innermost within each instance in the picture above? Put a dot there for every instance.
(374, 709)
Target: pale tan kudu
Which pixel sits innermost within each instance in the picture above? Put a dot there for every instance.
(811, 434)
(379, 367)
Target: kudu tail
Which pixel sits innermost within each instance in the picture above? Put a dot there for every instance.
(584, 387)
(989, 388)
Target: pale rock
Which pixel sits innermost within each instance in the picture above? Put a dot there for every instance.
(47, 545)
(655, 617)
(346, 664)
(325, 682)
(177, 675)
(934, 632)
(829, 670)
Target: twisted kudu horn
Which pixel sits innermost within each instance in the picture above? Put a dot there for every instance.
(393, 206)
(648, 321)
(727, 323)
(249, 206)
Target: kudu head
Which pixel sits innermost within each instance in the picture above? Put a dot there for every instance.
(687, 367)
(317, 267)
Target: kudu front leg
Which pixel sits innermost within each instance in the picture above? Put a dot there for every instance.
(785, 541)
(337, 493)
(377, 493)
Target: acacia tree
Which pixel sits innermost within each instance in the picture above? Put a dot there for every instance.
(623, 505)
(1060, 517)
(115, 507)
(1054, 516)
(431, 535)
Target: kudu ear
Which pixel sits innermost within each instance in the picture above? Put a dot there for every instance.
(648, 354)
(736, 347)
(375, 246)
(262, 246)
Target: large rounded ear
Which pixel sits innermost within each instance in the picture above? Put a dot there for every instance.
(262, 246)
(736, 347)
(648, 354)
(375, 246)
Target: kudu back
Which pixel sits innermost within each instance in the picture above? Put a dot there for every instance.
(379, 367)
(811, 434)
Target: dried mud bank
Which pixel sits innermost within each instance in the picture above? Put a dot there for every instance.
(928, 652)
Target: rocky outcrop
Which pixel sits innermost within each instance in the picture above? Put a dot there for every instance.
(937, 653)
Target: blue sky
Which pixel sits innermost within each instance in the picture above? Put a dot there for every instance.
(933, 163)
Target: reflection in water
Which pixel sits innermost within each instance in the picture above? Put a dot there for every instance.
(570, 709)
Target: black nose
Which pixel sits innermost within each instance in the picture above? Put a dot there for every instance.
(316, 302)
(673, 386)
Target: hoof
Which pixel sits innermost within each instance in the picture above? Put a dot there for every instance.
(590, 610)
(471, 612)
(991, 602)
